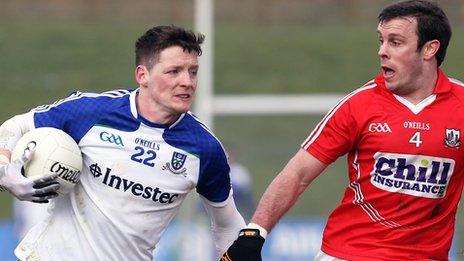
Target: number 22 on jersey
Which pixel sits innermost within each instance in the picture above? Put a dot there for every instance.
(144, 156)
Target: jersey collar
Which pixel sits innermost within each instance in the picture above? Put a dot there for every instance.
(443, 84)
(135, 114)
(133, 106)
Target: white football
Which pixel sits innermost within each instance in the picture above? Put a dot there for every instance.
(54, 152)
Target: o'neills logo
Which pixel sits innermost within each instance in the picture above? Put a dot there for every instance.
(417, 175)
(66, 172)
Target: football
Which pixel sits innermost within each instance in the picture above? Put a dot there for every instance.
(54, 152)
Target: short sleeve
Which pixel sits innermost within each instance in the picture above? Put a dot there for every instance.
(214, 180)
(335, 134)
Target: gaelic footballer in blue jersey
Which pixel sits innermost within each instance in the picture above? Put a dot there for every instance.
(143, 151)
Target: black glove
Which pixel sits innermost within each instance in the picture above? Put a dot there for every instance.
(247, 247)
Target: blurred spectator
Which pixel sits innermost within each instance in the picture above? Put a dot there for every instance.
(242, 186)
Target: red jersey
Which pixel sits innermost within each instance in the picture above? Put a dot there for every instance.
(406, 172)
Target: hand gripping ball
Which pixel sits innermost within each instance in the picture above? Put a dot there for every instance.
(54, 152)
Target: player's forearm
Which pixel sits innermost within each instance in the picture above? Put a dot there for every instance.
(12, 129)
(226, 222)
(281, 194)
(4, 159)
(5, 156)
(286, 188)
(10, 132)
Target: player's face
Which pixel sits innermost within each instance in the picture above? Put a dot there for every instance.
(170, 83)
(401, 62)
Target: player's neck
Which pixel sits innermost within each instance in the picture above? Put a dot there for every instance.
(153, 112)
(423, 87)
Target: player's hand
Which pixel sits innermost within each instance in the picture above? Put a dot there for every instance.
(38, 189)
(247, 247)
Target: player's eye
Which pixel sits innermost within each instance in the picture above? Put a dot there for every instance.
(395, 42)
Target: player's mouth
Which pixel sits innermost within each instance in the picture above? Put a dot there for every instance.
(388, 73)
(184, 96)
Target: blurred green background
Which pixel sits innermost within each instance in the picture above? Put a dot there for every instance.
(50, 48)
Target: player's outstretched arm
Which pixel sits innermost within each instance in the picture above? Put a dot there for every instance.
(278, 198)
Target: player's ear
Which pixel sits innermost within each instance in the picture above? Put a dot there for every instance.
(142, 75)
(430, 49)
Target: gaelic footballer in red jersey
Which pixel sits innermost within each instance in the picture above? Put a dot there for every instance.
(403, 146)
(406, 173)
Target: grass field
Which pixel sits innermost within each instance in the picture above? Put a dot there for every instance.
(43, 63)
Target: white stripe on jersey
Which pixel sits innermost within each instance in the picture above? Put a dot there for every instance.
(458, 82)
(77, 95)
(203, 125)
(317, 131)
(199, 121)
(355, 186)
(367, 207)
(209, 131)
(115, 93)
(177, 121)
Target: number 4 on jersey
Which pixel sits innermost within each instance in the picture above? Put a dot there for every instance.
(416, 139)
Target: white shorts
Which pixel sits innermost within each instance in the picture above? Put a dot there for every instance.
(321, 256)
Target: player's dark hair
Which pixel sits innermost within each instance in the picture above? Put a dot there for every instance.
(432, 22)
(158, 38)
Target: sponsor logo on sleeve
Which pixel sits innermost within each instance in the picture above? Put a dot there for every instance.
(416, 175)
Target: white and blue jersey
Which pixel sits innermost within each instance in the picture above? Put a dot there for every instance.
(135, 176)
